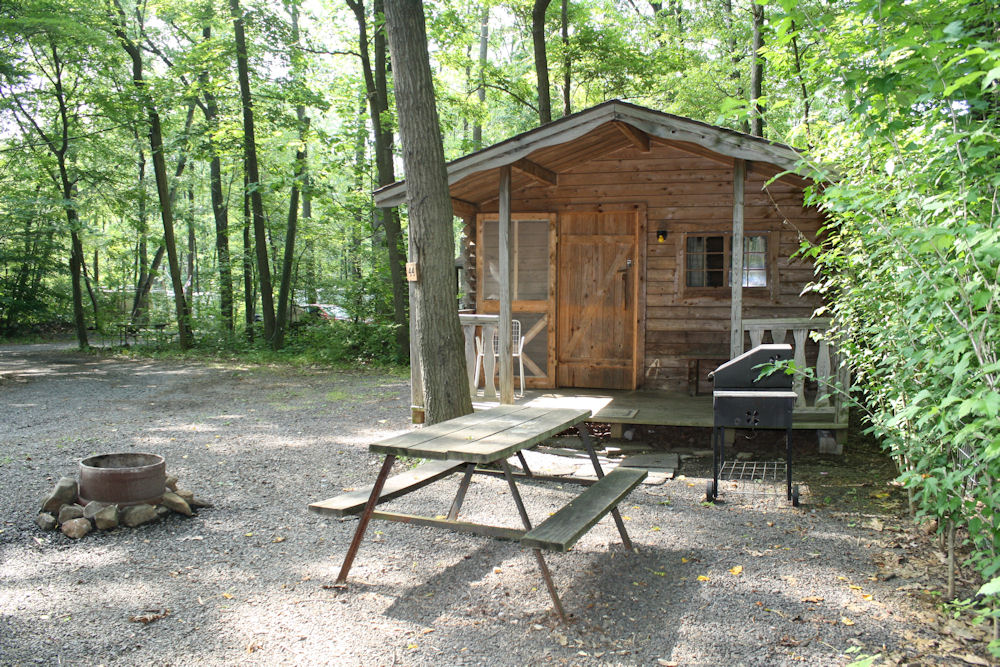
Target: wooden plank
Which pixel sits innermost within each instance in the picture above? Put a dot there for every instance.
(522, 436)
(536, 171)
(485, 530)
(562, 530)
(635, 136)
(488, 434)
(353, 502)
(400, 443)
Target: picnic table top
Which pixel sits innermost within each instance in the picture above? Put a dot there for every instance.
(483, 437)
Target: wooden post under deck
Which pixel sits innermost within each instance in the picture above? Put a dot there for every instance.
(736, 250)
(506, 311)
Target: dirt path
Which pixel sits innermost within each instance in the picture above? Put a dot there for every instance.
(748, 581)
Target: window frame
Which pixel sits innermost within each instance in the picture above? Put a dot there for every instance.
(770, 268)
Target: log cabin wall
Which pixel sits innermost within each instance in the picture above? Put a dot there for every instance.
(689, 194)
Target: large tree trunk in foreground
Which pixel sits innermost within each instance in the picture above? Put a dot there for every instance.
(253, 173)
(440, 343)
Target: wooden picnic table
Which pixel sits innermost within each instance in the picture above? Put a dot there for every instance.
(490, 436)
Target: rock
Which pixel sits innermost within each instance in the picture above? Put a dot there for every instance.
(106, 518)
(199, 502)
(185, 494)
(136, 515)
(46, 521)
(162, 511)
(69, 512)
(171, 482)
(76, 528)
(92, 508)
(64, 493)
(177, 504)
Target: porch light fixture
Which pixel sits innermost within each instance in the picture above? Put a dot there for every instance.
(661, 236)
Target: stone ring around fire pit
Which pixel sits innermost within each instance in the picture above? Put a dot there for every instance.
(115, 489)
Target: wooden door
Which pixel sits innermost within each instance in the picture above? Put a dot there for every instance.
(599, 290)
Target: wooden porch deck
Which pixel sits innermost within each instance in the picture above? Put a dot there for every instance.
(653, 408)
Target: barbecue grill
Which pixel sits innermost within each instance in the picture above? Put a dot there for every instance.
(743, 401)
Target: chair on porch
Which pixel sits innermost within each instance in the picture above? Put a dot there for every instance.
(515, 333)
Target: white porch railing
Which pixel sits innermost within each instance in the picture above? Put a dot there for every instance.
(489, 324)
(830, 372)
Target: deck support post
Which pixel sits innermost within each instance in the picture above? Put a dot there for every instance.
(506, 348)
(736, 251)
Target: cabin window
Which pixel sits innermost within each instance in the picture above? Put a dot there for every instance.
(707, 261)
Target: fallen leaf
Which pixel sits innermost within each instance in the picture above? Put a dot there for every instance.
(228, 596)
(866, 596)
(702, 577)
(150, 616)
(974, 660)
(846, 621)
(813, 598)
(411, 646)
(789, 641)
(684, 560)
(278, 539)
(736, 570)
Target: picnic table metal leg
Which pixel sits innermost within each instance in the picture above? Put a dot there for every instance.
(546, 575)
(524, 464)
(456, 504)
(366, 516)
(588, 443)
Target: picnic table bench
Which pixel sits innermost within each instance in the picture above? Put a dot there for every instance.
(488, 437)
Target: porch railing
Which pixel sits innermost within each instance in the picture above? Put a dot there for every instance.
(489, 324)
(831, 374)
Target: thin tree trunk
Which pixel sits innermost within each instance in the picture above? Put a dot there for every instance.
(301, 169)
(541, 60)
(757, 72)
(440, 341)
(378, 104)
(484, 44)
(160, 173)
(567, 60)
(90, 293)
(253, 173)
(249, 298)
(802, 81)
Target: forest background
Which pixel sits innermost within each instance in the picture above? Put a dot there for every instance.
(211, 164)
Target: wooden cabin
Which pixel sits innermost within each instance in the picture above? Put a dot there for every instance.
(612, 235)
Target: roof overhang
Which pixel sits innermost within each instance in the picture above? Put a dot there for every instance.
(720, 140)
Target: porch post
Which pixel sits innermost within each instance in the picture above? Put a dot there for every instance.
(506, 310)
(736, 249)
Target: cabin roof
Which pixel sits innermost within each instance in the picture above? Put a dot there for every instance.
(539, 155)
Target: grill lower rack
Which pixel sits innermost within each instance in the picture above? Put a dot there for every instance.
(742, 399)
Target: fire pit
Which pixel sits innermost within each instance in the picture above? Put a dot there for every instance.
(123, 479)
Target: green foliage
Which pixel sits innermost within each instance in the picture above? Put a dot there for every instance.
(911, 255)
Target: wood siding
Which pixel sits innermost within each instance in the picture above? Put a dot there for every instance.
(685, 193)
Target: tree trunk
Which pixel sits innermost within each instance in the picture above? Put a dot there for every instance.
(378, 104)
(484, 43)
(757, 72)
(249, 298)
(160, 173)
(75, 270)
(567, 60)
(541, 60)
(440, 342)
(141, 303)
(301, 173)
(253, 173)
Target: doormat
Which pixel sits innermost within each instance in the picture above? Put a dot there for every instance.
(617, 413)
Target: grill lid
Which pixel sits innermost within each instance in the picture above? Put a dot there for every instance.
(742, 371)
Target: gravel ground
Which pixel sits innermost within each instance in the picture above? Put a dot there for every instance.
(748, 581)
